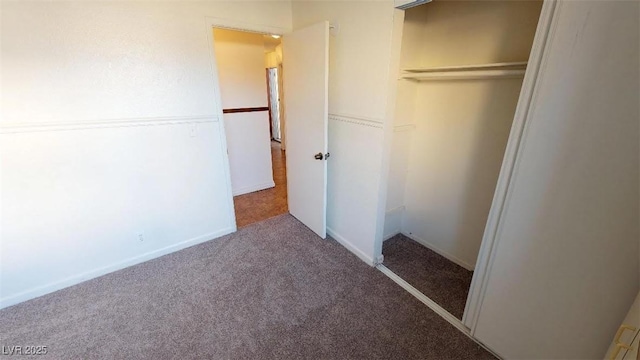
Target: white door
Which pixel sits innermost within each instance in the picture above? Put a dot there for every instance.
(306, 79)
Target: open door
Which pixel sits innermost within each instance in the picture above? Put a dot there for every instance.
(306, 80)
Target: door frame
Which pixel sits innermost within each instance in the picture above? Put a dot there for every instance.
(266, 71)
(222, 23)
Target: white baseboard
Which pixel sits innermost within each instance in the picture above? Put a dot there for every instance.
(425, 300)
(252, 188)
(357, 252)
(430, 246)
(76, 279)
(433, 306)
(390, 235)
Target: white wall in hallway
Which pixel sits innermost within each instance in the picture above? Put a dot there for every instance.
(241, 71)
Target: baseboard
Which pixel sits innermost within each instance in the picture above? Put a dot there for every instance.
(433, 306)
(357, 252)
(250, 189)
(430, 246)
(76, 279)
(390, 235)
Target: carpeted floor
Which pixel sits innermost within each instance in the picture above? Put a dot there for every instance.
(273, 290)
(437, 277)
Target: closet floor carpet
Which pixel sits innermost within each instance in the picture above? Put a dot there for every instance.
(272, 290)
(432, 274)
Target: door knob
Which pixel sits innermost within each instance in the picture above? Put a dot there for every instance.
(319, 156)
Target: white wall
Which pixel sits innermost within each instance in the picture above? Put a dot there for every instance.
(110, 128)
(249, 147)
(456, 151)
(565, 265)
(403, 121)
(241, 70)
(477, 32)
(360, 65)
(462, 126)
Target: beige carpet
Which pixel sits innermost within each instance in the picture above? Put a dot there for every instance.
(273, 290)
(442, 280)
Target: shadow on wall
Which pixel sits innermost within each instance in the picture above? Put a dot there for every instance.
(495, 113)
(489, 134)
(457, 154)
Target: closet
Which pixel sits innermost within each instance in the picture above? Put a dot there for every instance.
(462, 66)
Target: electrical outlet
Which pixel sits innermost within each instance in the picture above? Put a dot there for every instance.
(141, 237)
(193, 130)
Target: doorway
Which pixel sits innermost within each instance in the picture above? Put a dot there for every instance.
(459, 91)
(274, 87)
(253, 122)
(303, 126)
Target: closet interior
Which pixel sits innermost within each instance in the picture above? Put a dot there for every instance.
(462, 66)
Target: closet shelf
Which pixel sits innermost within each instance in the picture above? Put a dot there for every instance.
(481, 71)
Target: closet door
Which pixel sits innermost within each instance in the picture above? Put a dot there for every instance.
(565, 265)
(625, 343)
(634, 353)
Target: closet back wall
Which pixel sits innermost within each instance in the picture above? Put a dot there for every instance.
(461, 126)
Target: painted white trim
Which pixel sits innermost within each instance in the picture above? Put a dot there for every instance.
(432, 305)
(24, 127)
(79, 278)
(250, 189)
(392, 72)
(358, 120)
(528, 96)
(425, 300)
(436, 249)
(357, 252)
(404, 127)
(389, 236)
(209, 24)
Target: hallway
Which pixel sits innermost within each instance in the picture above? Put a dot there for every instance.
(260, 205)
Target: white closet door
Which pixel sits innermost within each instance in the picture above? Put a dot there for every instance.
(565, 265)
(628, 334)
